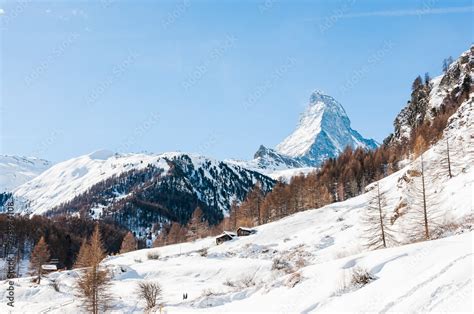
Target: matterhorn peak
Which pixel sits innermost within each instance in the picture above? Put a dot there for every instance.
(324, 130)
(318, 96)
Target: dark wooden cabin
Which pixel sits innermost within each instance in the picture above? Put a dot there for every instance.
(243, 232)
(224, 237)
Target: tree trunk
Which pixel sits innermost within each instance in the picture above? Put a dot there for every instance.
(449, 158)
(39, 274)
(427, 233)
(380, 215)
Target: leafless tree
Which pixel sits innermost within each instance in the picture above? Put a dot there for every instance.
(150, 292)
(422, 202)
(377, 231)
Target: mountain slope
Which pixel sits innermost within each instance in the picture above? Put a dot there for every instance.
(16, 170)
(138, 189)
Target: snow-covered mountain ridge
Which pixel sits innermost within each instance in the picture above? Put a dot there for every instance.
(16, 170)
(163, 186)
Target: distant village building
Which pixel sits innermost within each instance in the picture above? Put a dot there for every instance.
(243, 232)
(224, 237)
(51, 266)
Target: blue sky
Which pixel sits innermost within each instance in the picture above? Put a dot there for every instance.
(214, 77)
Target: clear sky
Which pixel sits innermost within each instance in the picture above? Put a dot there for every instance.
(214, 77)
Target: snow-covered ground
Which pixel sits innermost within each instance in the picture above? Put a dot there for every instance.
(427, 276)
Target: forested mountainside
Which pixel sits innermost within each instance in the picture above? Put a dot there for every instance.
(138, 191)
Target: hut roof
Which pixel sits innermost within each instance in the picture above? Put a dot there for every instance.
(227, 233)
(247, 229)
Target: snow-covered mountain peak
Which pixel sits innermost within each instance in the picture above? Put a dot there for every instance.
(323, 131)
(102, 154)
(16, 170)
(322, 99)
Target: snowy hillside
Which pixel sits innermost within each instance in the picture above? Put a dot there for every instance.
(167, 186)
(323, 132)
(16, 170)
(65, 180)
(305, 262)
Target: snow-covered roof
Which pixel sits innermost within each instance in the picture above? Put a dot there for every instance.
(228, 233)
(247, 229)
(49, 267)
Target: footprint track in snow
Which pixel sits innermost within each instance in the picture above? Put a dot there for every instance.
(410, 292)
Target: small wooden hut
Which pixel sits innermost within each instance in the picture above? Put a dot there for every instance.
(243, 232)
(224, 237)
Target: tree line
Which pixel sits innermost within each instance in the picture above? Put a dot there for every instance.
(64, 234)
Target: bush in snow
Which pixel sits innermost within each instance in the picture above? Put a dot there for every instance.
(242, 283)
(280, 264)
(358, 278)
(154, 255)
(55, 285)
(150, 292)
(301, 262)
(229, 283)
(293, 280)
(246, 282)
(208, 293)
(361, 277)
(203, 252)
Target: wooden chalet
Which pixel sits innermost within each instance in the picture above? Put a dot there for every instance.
(243, 232)
(224, 237)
